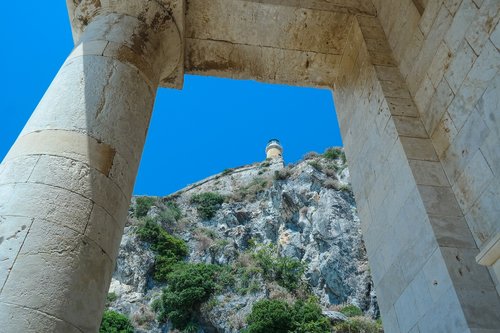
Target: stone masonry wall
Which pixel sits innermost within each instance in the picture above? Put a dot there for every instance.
(421, 251)
(450, 60)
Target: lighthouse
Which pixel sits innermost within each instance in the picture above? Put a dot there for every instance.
(274, 150)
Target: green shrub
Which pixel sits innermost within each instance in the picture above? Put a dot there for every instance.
(161, 241)
(270, 316)
(282, 174)
(358, 325)
(190, 328)
(310, 155)
(316, 165)
(142, 205)
(251, 243)
(207, 204)
(227, 172)
(308, 317)
(286, 271)
(111, 297)
(171, 214)
(278, 316)
(334, 153)
(168, 249)
(246, 280)
(114, 322)
(163, 266)
(252, 190)
(220, 244)
(332, 184)
(207, 232)
(189, 285)
(351, 310)
(345, 188)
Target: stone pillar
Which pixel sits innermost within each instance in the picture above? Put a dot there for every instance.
(66, 183)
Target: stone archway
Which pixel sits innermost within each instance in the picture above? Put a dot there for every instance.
(406, 113)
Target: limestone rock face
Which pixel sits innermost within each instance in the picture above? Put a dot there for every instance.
(307, 210)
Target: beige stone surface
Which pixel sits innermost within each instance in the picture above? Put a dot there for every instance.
(267, 41)
(416, 93)
(439, 226)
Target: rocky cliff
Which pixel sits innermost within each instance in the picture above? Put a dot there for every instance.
(304, 212)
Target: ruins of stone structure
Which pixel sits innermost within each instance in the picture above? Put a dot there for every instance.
(416, 91)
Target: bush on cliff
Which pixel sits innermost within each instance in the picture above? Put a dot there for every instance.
(114, 322)
(207, 204)
(351, 310)
(358, 325)
(334, 153)
(171, 214)
(270, 316)
(142, 206)
(286, 271)
(189, 285)
(168, 249)
(280, 317)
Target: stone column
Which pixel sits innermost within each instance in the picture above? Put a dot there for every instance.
(66, 183)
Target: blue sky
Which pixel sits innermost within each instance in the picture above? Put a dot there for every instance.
(211, 125)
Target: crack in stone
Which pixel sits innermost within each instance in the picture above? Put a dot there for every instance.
(102, 100)
(262, 46)
(339, 8)
(17, 255)
(43, 313)
(34, 167)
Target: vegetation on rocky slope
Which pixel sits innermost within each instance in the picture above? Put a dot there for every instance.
(268, 249)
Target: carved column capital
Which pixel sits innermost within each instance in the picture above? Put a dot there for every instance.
(145, 33)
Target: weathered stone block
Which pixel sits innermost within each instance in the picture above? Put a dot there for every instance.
(483, 71)
(406, 308)
(410, 127)
(452, 232)
(13, 231)
(424, 93)
(428, 173)
(483, 215)
(472, 181)
(45, 202)
(464, 146)
(439, 201)
(438, 105)
(78, 177)
(82, 266)
(483, 24)
(460, 66)
(21, 168)
(17, 318)
(443, 134)
(439, 64)
(447, 306)
(419, 149)
(463, 18)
